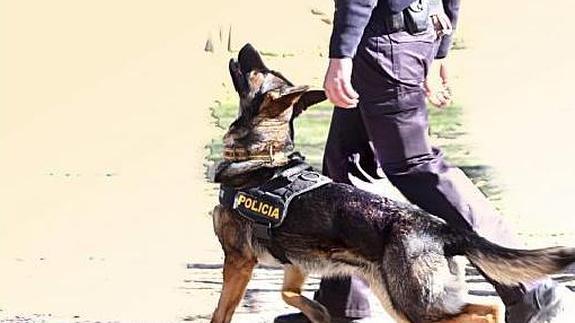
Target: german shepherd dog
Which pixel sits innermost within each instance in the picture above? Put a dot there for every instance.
(405, 254)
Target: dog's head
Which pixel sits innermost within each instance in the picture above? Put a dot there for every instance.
(268, 105)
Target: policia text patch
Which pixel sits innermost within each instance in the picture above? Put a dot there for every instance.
(260, 207)
(268, 203)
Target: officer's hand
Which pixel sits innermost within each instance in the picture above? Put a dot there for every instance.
(438, 95)
(337, 83)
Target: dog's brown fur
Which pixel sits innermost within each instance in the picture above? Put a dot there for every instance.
(404, 253)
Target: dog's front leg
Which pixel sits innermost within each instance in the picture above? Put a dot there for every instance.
(239, 262)
(237, 274)
(294, 278)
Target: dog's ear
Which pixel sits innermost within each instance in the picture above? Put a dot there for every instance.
(278, 101)
(308, 99)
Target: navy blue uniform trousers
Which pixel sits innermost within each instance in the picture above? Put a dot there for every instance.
(390, 128)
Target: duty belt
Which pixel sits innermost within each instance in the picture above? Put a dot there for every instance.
(416, 18)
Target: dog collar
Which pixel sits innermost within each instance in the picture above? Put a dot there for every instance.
(270, 155)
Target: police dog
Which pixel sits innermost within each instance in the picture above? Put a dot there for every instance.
(404, 253)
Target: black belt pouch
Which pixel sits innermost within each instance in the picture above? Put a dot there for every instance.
(416, 17)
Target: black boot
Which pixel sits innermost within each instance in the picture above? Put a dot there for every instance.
(548, 303)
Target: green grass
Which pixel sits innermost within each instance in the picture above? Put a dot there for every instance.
(312, 127)
(311, 130)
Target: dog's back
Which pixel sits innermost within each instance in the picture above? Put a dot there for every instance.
(405, 253)
(342, 217)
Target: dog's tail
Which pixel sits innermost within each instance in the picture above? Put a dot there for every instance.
(510, 266)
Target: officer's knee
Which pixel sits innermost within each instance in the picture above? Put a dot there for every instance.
(432, 163)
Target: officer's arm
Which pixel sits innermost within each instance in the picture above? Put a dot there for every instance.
(349, 21)
(451, 8)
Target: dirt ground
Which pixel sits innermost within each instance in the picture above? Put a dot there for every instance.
(104, 119)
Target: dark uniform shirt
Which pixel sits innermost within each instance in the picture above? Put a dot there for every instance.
(352, 16)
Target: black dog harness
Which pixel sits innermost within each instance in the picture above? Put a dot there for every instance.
(267, 205)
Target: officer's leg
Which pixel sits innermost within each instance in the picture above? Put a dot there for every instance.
(347, 147)
(388, 75)
(347, 142)
(428, 181)
(346, 297)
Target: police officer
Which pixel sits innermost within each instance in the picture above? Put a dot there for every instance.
(379, 58)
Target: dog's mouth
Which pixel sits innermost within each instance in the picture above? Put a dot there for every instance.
(242, 71)
(251, 76)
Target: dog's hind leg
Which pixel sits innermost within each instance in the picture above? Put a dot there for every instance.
(237, 274)
(382, 295)
(294, 278)
(476, 313)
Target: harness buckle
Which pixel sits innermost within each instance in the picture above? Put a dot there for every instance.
(262, 231)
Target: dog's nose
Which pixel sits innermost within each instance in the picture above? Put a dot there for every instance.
(233, 65)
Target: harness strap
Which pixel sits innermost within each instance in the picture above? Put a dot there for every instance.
(227, 195)
(263, 233)
(298, 168)
(266, 206)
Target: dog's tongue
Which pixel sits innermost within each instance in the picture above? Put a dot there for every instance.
(249, 60)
